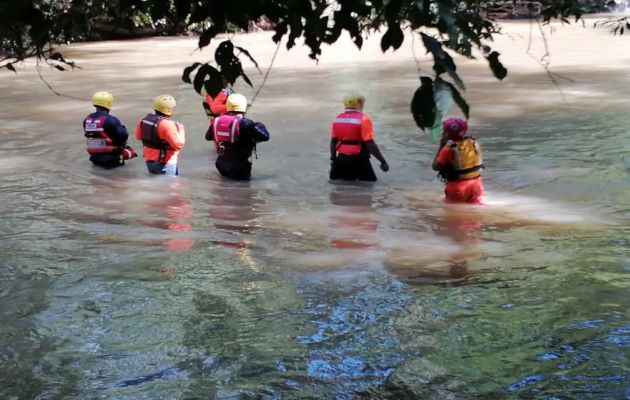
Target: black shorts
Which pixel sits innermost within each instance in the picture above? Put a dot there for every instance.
(234, 167)
(352, 168)
(106, 160)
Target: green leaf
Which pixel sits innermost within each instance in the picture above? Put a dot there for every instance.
(442, 96)
(459, 100)
(442, 61)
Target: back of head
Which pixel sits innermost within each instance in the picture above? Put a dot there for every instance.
(165, 104)
(353, 100)
(103, 99)
(236, 102)
(454, 128)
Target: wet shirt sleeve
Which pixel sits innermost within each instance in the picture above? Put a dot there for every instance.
(138, 131)
(116, 130)
(217, 105)
(257, 131)
(366, 128)
(172, 133)
(444, 156)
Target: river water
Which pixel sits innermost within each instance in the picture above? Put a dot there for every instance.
(120, 285)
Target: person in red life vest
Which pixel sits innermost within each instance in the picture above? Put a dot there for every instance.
(106, 137)
(162, 137)
(352, 142)
(235, 138)
(459, 162)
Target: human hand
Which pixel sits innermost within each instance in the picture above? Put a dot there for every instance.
(384, 166)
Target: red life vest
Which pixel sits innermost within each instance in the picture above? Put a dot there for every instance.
(97, 140)
(226, 129)
(347, 129)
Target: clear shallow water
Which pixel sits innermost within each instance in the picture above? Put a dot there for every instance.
(118, 285)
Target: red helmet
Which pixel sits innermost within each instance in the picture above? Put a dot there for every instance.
(454, 127)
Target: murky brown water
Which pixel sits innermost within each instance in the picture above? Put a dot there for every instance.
(117, 284)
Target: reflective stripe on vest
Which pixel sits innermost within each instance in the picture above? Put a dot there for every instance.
(97, 141)
(347, 129)
(149, 132)
(467, 158)
(227, 128)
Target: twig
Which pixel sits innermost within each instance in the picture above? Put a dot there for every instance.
(39, 73)
(266, 73)
(545, 60)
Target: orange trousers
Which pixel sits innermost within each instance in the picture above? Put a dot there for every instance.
(465, 191)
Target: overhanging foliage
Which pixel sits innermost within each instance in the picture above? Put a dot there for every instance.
(446, 27)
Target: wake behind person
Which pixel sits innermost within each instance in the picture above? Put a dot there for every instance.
(161, 137)
(352, 142)
(235, 138)
(106, 137)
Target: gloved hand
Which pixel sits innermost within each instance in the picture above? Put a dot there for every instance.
(384, 166)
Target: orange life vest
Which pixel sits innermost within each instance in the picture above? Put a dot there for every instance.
(467, 158)
(97, 140)
(347, 129)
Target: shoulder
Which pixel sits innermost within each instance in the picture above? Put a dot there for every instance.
(112, 120)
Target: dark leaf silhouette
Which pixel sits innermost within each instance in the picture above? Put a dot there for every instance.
(423, 104)
(242, 50)
(204, 71)
(442, 61)
(459, 100)
(59, 68)
(214, 83)
(207, 35)
(497, 68)
(188, 70)
(11, 68)
(224, 54)
(392, 38)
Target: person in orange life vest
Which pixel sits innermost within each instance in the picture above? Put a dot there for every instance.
(215, 106)
(106, 137)
(352, 142)
(459, 162)
(162, 137)
(235, 139)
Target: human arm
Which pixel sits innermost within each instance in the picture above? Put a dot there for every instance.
(116, 131)
(441, 160)
(217, 105)
(333, 148)
(257, 131)
(367, 137)
(373, 149)
(172, 133)
(138, 131)
(210, 133)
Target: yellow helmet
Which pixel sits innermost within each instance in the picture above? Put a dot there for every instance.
(354, 101)
(236, 102)
(103, 99)
(165, 104)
